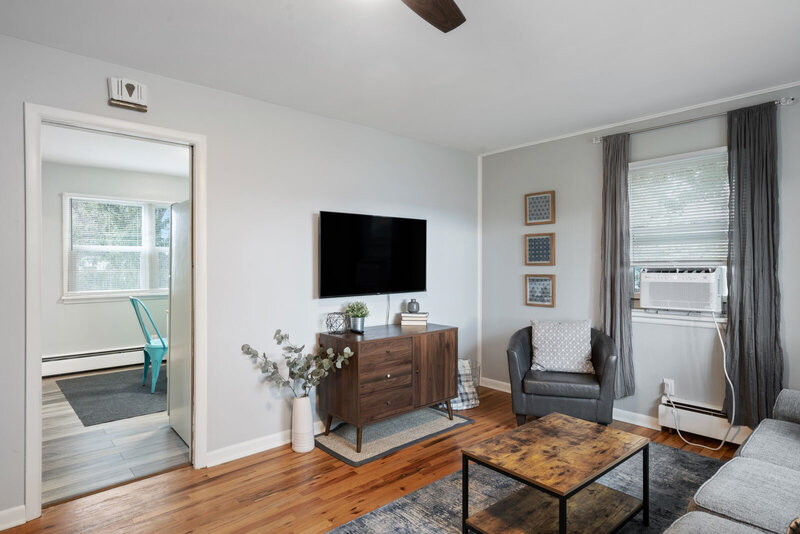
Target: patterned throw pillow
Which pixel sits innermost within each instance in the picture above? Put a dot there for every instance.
(564, 346)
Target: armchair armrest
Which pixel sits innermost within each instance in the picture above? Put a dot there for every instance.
(519, 358)
(787, 406)
(604, 360)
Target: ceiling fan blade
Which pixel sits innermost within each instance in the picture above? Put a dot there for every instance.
(443, 14)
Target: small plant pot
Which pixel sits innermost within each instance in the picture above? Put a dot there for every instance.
(302, 425)
(357, 324)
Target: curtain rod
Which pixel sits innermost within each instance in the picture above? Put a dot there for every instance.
(786, 101)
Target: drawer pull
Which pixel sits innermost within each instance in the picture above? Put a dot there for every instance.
(388, 403)
(388, 376)
(388, 351)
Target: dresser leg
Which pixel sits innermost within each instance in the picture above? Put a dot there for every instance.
(358, 439)
(449, 411)
(328, 424)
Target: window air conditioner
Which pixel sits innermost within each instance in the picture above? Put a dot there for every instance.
(690, 289)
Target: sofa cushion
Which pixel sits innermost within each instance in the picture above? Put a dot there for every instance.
(703, 523)
(750, 491)
(773, 441)
(564, 346)
(555, 384)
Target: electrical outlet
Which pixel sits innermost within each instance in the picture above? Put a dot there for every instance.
(669, 386)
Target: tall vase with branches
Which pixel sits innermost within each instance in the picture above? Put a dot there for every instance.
(305, 372)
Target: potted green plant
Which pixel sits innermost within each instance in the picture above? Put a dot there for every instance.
(305, 371)
(357, 311)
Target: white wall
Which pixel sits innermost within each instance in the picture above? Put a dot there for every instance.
(573, 167)
(271, 169)
(86, 326)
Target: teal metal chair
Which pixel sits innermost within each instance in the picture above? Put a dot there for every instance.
(155, 347)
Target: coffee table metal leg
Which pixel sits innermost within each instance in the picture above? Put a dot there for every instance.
(562, 515)
(646, 485)
(464, 493)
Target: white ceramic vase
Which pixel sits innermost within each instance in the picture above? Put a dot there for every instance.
(302, 425)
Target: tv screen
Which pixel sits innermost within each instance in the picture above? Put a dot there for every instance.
(369, 255)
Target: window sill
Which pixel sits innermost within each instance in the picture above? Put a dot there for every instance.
(687, 319)
(112, 296)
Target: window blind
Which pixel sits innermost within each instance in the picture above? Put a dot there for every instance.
(679, 210)
(115, 245)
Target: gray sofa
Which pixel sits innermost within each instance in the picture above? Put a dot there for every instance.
(759, 489)
(538, 393)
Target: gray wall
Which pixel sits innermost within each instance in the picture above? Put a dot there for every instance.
(270, 170)
(572, 166)
(89, 325)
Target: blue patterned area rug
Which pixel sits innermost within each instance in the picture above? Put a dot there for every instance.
(675, 476)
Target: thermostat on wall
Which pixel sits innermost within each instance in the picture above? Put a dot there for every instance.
(126, 93)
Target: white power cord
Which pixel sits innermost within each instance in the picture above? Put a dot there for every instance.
(733, 397)
(388, 305)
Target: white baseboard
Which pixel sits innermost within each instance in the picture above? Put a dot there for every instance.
(12, 517)
(254, 446)
(90, 363)
(636, 419)
(490, 383)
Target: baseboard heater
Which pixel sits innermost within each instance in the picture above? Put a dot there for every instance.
(59, 364)
(700, 419)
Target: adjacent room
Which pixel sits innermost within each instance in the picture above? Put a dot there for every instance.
(400, 266)
(108, 203)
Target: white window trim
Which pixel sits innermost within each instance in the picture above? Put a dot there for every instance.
(147, 249)
(642, 164)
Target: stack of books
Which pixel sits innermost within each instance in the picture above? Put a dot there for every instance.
(414, 319)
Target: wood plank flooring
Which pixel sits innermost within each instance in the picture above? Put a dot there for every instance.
(77, 460)
(281, 491)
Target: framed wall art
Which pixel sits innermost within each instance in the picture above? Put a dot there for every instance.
(540, 208)
(540, 249)
(540, 290)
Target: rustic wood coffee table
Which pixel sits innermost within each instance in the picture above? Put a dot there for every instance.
(558, 458)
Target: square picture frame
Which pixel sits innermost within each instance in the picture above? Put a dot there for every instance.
(540, 208)
(540, 290)
(540, 249)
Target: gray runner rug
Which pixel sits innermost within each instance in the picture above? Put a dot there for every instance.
(675, 476)
(384, 438)
(108, 397)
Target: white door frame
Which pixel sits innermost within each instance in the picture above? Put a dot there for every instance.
(35, 115)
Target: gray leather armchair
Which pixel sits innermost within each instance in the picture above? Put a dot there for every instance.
(538, 393)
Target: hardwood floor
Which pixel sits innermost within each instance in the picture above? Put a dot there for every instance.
(281, 491)
(77, 460)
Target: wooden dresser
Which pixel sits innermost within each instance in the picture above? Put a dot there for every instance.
(395, 369)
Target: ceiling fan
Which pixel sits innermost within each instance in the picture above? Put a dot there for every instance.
(443, 14)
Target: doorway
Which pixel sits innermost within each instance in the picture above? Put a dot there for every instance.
(116, 253)
(114, 225)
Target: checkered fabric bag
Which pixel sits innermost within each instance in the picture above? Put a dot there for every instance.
(467, 393)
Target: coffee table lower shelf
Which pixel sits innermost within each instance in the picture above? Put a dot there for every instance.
(596, 509)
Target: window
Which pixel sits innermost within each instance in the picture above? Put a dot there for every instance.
(679, 211)
(115, 246)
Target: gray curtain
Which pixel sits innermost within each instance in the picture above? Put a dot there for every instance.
(616, 285)
(755, 355)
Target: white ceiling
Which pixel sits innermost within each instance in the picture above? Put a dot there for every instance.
(517, 71)
(95, 149)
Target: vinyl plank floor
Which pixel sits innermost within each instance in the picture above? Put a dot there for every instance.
(77, 460)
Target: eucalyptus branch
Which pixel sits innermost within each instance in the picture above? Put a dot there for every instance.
(305, 371)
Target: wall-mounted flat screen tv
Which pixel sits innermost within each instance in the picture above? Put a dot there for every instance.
(370, 255)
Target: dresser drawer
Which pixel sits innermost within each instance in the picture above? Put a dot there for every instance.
(383, 372)
(386, 347)
(387, 402)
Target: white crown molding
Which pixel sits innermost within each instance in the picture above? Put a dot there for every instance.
(644, 118)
